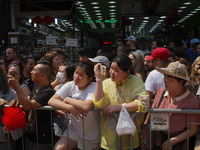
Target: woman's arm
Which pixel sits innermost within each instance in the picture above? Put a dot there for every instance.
(182, 136)
(3, 102)
(99, 88)
(130, 107)
(56, 101)
(84, 106)
(55, 83)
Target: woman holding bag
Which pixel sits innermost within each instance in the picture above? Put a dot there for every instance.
(107, 98)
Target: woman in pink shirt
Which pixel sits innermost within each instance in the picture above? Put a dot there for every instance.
(176, 96)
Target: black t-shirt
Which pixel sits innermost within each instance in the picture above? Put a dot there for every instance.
(28, 82)
(44, 124)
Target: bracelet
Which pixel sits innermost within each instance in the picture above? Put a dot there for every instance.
(98, 79)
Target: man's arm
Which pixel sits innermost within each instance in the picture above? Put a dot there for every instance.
(150, 97)
(24, 101)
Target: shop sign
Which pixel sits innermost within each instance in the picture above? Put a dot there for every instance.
(71, 42)
(51, 40)
(159, 122)
(13, 40)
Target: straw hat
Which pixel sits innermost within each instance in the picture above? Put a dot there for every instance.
(176, 69)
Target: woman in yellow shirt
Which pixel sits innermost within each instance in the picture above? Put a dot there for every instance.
(107, 99)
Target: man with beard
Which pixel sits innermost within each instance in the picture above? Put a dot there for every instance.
(148, 65)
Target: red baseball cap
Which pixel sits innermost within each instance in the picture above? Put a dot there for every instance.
(160, 52)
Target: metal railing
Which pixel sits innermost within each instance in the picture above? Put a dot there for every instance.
(119, 145)
(168, 112)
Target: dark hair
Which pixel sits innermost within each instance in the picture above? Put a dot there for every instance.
(124, 63)
(20, 70)
(123, 49)
(109, 55)
(143, 40)
(49, 57)
(3, 82)
(158, 43)
(88, 68)
(70, 72)
(147, 54)
(59, 51)
(179, 80)
(85, 52)
(26, 58)
(13, 48)
(46, 68)
(66, 63)
(170, 41)
(182, 53)
(14, 65)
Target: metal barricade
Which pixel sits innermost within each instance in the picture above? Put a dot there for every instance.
(174, 111)
(51, 109)
(119, 146)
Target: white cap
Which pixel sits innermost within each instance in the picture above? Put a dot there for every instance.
(132, 38)
(102, 59)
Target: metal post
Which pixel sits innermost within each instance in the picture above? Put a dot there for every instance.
(52, 142)
(36, 129)
(188, 125)
(169, 132)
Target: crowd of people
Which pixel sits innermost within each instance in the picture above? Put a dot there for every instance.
(131, 73)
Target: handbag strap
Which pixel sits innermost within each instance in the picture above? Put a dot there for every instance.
(120, 94)
(160, 101)
(161, 98)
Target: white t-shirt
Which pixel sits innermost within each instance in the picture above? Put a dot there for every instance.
(91, 121)
(198, 91)
(154, 81)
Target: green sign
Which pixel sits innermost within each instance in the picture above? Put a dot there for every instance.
(99, 21)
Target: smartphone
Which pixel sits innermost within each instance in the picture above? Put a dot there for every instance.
(103, 70)
(12, 74)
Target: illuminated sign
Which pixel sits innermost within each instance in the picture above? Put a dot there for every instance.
(99, 21)
(107, 43)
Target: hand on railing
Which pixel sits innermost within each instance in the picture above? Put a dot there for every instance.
(78, 114)
(3, 102)
(14, 103)
(108, 109)
(60, 112)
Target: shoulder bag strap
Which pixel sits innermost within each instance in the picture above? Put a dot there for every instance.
(148, 115)
(120, 94)
(161, 98)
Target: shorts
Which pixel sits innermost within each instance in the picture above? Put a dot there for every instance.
(87, 144)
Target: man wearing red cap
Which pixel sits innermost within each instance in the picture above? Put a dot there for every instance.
(154, 80)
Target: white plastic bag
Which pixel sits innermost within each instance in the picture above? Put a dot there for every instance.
(125, 124)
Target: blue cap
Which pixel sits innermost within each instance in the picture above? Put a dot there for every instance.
(195, 40)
